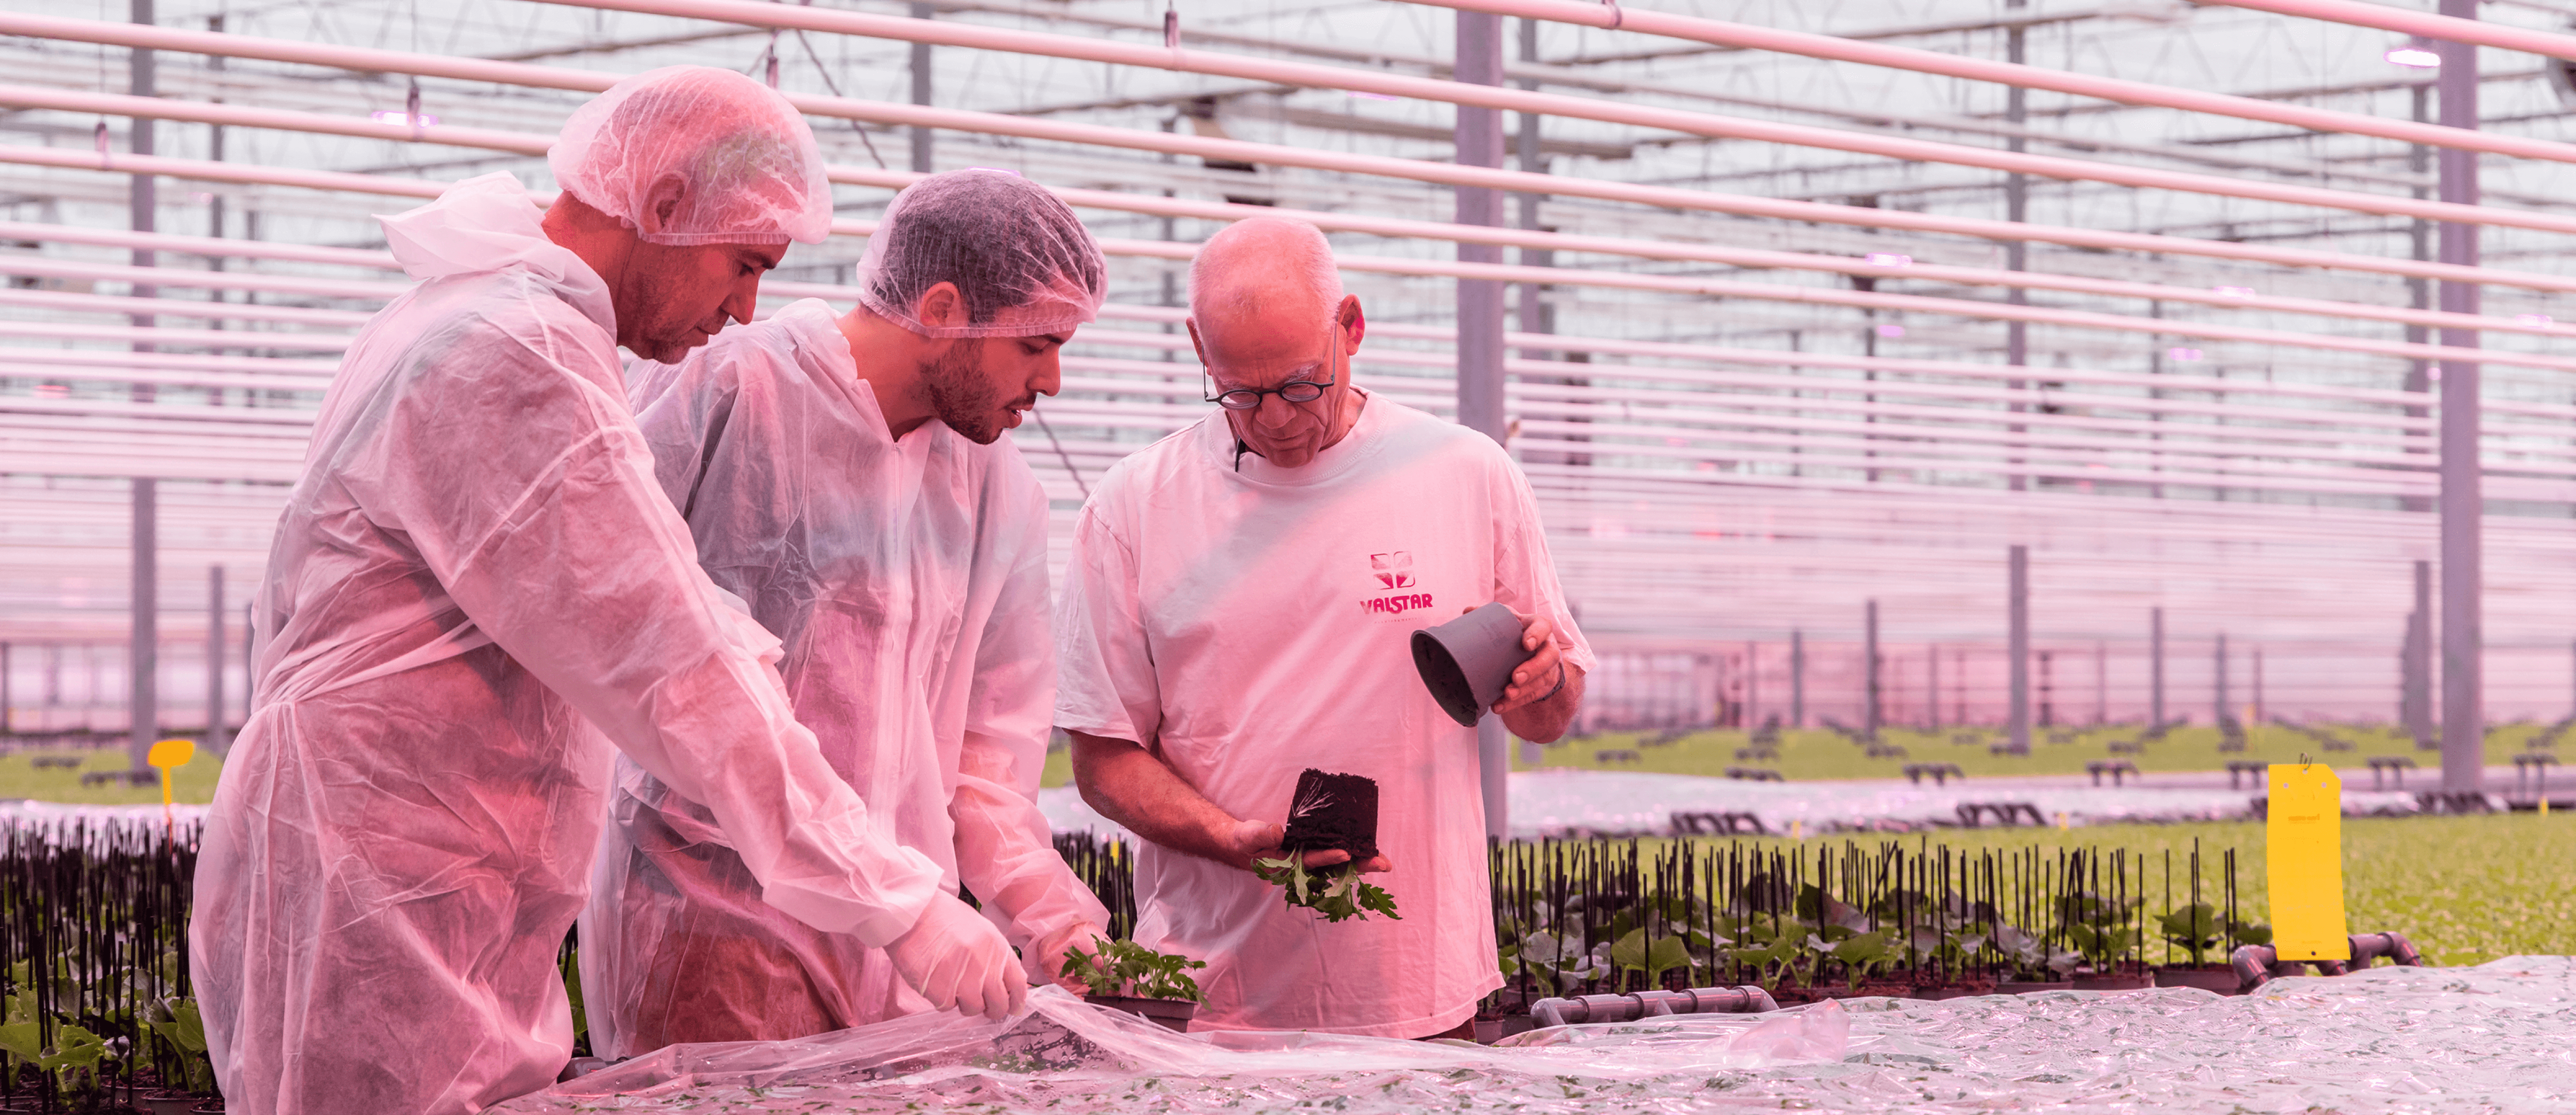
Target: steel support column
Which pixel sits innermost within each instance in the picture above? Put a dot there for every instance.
(2155, 669)
(143, 706)
(2218, 688)
(2463, 626)
(1479, 138)
(1869, 663)
(2019, 621)
(215, 647)
(1797, 679)
(2415, 703)
(921, 159)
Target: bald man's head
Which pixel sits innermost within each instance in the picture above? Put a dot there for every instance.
(1267, 313)
(1267, 269)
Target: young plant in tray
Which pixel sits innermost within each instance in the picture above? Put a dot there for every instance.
(2199, 927)
(1125, 969)
(1330, 812)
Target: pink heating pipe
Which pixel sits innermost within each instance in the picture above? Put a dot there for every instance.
(953, 33)
(1717, 288)
(1831, 48)
(2545, 43)
(111, 104)
(467, 69)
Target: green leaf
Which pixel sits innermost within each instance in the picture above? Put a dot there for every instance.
(22, 1040)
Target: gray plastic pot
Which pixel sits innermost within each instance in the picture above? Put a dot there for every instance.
(1468, 661)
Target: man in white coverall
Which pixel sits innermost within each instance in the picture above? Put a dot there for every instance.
(476, 590)
(847, 478)
(1239, 607)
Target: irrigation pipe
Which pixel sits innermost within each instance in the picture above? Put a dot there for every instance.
(1310, 75)
(466, 69)
(1834, 49)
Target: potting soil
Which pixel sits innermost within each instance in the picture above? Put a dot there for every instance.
(2490, 1038)
(1332, 812)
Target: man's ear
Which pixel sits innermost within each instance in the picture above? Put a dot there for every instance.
(940, 307)
(1354, 323)
(1196, 345)
(661, 203)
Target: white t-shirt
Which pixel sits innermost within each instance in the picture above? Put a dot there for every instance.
(1248, 625)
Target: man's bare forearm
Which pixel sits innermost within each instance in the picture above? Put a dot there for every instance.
(1545, 721)
(1122, 781)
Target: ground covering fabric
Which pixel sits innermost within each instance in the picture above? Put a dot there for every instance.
(2489, 1038)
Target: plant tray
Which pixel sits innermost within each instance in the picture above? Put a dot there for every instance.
(2218, 978)
(1171, 1014)
(2116, 981)
(2017, 987)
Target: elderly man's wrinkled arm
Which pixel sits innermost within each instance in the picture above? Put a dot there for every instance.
(1127, 784)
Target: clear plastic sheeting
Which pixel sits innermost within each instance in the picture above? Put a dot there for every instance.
(2490, 1038)
(1065, 1055)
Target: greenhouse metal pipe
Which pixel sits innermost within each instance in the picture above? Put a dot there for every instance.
(196, 245)
(1466, 94)
(1836, 49)
(371, 60)
(177, 307)
(2462, 503)
(1460, 232)
(2437, 27)
(1718, 288)
(161, 335)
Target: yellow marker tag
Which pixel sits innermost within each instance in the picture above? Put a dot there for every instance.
(2061, 822)
(167, 755)
(2304, 837)
(1797, 829)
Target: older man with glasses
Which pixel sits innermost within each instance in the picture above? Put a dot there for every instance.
(1239, 608)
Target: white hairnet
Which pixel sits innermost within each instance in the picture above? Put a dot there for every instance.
(746, 163)
(1023, 262)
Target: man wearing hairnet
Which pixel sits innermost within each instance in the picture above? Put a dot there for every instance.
(476, 591)
(1239, 607)
(847, 478)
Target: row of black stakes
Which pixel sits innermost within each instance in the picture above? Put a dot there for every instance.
(93, 923)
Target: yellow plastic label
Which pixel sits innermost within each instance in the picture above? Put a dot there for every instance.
(169, 754)
(2304, 838)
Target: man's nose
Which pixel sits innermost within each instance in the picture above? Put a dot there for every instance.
(1050, 377)
(1276, 412)
(744, 301)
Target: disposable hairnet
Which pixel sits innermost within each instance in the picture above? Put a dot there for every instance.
(745, 161)
(1024, 263)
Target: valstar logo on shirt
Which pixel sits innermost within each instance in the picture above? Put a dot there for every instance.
(1393, 569)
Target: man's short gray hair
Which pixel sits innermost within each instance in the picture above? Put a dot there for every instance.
(1302, 256)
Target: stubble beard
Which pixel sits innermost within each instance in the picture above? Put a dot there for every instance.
(961, 396)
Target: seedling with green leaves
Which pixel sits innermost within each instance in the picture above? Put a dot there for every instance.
(1337, 892)
(2199, 928)
(1125, 968)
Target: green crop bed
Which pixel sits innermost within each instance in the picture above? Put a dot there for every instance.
(2465, 890)
(20, 778)
(1818, 754)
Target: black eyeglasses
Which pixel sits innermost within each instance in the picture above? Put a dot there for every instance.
(1295, 391)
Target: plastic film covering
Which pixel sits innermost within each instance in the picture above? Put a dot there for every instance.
(1065, 1055)
(2490, 1038)
(1023, 261)
(746, 164)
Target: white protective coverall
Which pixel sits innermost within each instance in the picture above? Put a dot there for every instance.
(908, 579)
(476, 588)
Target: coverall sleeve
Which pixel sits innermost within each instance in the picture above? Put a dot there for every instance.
(1005, 849)
(517, 472)
(1104, 667)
